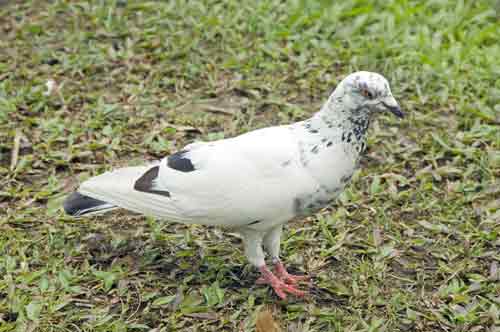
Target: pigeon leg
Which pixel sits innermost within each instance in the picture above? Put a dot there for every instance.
(253, 250)
(272, 244)
(280, 287)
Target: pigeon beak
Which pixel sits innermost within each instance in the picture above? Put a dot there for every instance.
(392, 106)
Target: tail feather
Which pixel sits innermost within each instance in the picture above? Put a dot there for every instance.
(78, 205)
(119, 189)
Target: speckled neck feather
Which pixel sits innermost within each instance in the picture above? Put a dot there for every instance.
(338, 122)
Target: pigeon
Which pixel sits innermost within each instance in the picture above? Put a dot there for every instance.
(253, 183)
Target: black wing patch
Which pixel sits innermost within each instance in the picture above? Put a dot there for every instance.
(179, 162)
(145, 182)
(254, 222)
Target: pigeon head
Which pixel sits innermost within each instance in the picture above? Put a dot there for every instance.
(366, 93)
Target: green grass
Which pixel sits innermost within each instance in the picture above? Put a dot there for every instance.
(412, 245)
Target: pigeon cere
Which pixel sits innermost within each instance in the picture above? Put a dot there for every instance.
(255, 182)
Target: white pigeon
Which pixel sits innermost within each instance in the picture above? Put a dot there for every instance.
(256, 182)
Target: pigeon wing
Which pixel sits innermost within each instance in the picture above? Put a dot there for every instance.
(248, 179)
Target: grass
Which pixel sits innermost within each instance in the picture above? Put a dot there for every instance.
(412, 245)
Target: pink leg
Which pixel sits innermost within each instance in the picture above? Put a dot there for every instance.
(280, 287)
(283, 274)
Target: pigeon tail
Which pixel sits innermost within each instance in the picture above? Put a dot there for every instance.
(78, 205)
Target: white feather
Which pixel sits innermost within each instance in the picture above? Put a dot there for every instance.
(235, 182)
(117, 187)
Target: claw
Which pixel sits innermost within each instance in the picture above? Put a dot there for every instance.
(279, 286)
(283, 274)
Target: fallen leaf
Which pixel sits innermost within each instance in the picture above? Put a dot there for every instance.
(265, 322)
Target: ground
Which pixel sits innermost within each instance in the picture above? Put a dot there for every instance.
(412, 245)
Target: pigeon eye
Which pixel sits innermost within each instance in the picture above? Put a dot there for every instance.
(367, 94)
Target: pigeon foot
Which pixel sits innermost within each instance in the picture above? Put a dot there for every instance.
(283, 275)
(279, 286)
